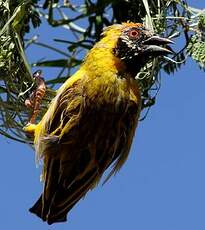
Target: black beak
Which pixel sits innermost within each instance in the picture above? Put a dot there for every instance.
(152, 45)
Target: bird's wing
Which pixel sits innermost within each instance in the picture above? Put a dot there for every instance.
(78, 142)
(56, 142)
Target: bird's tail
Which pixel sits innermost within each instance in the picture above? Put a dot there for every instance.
(37, 210)
(59, 198)
(42, 206)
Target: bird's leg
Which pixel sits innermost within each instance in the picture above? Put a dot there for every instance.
(34, 100)
(37, 95)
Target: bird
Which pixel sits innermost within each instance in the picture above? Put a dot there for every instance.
(89, 125)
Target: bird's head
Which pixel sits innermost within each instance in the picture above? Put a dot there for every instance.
(135, 44)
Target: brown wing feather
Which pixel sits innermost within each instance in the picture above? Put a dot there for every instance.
(89, 140)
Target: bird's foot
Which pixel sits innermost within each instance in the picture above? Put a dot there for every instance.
(34, 101)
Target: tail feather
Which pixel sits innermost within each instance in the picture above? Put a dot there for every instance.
(65, 200)
(37, 208)
(59, 197)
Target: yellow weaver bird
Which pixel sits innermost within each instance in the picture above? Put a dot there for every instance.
(91, 122)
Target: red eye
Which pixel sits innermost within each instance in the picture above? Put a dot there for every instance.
(133, 33)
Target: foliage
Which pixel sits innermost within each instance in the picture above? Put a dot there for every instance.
(196, 46)
(84, 21)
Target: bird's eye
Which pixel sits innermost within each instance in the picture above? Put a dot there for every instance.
(133, 33)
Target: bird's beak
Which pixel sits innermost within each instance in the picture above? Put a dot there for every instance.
(152, 45)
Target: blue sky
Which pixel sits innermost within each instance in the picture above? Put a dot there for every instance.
(161, 186)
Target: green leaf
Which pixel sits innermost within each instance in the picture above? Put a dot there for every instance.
(2, 90)
(53, 63)
(58, 63)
